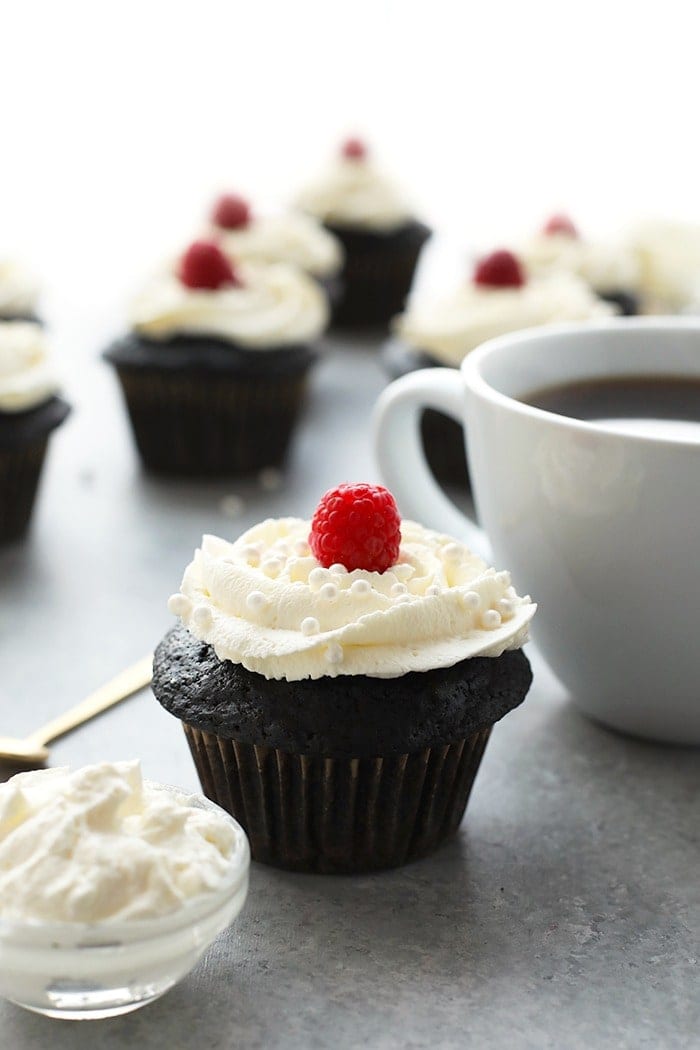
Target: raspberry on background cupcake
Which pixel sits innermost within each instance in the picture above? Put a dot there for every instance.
(19, 292)
(291, 237)
(214, 370)
(608, 267)
(30, 409)
(338, 679)
(500, 297)
(381, 238)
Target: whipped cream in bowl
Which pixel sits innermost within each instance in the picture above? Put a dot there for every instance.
(111, 887)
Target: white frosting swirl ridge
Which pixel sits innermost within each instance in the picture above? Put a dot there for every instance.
(26, 379)
(669, 260)
(266, 603)
(353, 193)
(293, 238)
(19, 289)
(274, 306)
(450, 328)
(606, 266)
(99, 844)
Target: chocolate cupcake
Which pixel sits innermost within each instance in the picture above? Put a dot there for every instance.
(19, 292)
(214, 371)
(291, 237)
(499, 298)
(609, 268)
(381, 238)
(29, 410)
(338, 680)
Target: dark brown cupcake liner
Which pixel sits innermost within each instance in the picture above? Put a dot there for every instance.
(211, 424)
(20, 470)
(377, 274)
(339, 815)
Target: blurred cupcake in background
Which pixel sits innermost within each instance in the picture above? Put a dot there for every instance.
(499, 298)
(668, 255)
(30, 409)
(291, 237)
(214, 370)
(381, 237)
(19, 292)
(610, 268)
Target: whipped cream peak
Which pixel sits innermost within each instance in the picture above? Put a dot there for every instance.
(607, 266)
(100, 844)
(26, 378)
(293, 238)
(265, 602)
(450, 328)
(354, 193)
(272, 306)
(19, 289)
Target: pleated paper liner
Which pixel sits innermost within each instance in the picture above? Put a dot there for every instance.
(20, 470)
(197, 424)
(339, 815)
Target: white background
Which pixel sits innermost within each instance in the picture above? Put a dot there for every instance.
(121, 120)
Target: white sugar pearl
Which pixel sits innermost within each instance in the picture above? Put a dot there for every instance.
(250, 554)
(433, 590)
(272, 566)
(491, 619)
(310, 625)
(334, 653)
(179, 604)
(360, 587)
(202, 616)
(256, 601)
(472, 600)
(452, 551)
(338, 569)
(397, 589)
(506, 607)
(301, 548)
(317, 577)
(402, 598)
(329, 592)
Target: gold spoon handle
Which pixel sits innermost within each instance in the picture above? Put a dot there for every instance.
(124, 684)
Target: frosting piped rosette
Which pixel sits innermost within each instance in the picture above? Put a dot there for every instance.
(267, 603)
(26, 376)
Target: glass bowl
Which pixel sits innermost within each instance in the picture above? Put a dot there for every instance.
(80, 971)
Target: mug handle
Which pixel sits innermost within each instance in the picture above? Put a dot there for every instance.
(400, 455)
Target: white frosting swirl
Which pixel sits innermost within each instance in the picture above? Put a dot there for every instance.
(266, 603)
(293, 238)
(19, 289)
(606, 266)
(275, 306)
(449, 329)
(26, 379)
(353, 193)
(669, 260)
(99, 844)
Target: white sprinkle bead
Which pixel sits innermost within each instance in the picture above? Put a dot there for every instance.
(310, 625)
(251, 555)
(472, 600)
(301, 548)
(360, 587)
(179, 604)
(433, 590)
(452, 551)
(397, 589)
(403, 571)
(401, 599)
(338, 569)
(202, 616)
(256, 601)
(506, 607)
(491, 619)
(317, 577)
(334, 653)
(329, 592)
(272, 566)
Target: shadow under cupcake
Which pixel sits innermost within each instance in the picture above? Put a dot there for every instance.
(337, 680)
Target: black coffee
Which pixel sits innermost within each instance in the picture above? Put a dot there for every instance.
(657, 400)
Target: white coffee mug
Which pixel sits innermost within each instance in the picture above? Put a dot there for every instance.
(601, 526)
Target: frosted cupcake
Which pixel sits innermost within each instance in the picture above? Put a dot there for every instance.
(668, 255)
(338, 679)
(500, 298)
(214, 370)
(19, 292)
(379, 233)
(610, 268)
(30, 409)
(293, 238)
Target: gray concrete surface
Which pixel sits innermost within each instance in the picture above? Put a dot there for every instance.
(564, 915)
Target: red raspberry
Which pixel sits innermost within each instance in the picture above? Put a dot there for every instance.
(354, 149)
(500, 269)
(204, 265)
(560, 224)
(231, 212)
(358, 526)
